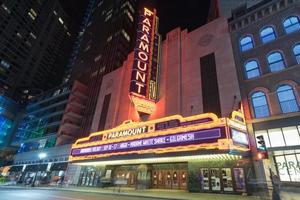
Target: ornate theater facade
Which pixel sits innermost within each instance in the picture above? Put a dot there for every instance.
(180, 125)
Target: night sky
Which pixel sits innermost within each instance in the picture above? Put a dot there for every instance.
(188, 14)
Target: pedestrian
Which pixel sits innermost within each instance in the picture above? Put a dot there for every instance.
(276, 186)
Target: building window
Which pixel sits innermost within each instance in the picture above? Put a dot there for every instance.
(260, 105)
(276, 62)
(109, 38)
(104, 112)
(246, 43)
(252, 69)
(209, 82)
(280, 137)
(32, 14)
(267, 34)
(128, 15)
(291, 24)
(125, 34)
(287, 100)
(296, 51)
(288, 167)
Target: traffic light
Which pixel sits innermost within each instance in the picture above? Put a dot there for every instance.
(262, 152)
(261, 142)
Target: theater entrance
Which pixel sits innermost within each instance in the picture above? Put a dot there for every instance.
(128, 176)
(169, 179)
(172, 176)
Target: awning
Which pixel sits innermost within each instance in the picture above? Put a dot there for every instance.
(16, 168)
(34, 168)
(59, 166)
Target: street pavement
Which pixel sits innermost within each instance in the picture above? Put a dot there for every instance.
(37, 194)
(80, 193)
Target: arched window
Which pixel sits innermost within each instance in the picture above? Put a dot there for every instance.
(252, 69)
(296, 51)
(246, 43)
(287, 100)
(291, 24)
(260, 105)
(267, 34)
(276, 62)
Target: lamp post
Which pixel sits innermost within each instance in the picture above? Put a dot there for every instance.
(41, 156)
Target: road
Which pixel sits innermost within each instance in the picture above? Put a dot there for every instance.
(36, 194)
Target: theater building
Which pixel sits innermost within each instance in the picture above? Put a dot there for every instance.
(169, 118)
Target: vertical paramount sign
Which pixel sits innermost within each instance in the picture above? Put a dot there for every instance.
(143, 85)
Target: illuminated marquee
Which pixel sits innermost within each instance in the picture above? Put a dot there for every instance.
(143, 83)
(170, 134)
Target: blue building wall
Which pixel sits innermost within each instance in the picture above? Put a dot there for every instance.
(8, 120)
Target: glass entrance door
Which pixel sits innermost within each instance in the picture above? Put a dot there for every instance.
(169, 179)
(129, 176)
(157, 179)
(183, 180)
(168, 182)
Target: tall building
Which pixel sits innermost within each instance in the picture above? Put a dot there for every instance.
(266, 45)
(76, 47)
(106, 42)
(46, 114)
(47, 127)
(41, 120)
(35, 41)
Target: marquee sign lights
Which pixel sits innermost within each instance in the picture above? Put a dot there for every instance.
(169, 134)
(143, 85)
(153, 142)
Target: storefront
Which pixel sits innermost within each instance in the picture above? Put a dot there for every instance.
(198, 153)
(282, 138)
(44, 166)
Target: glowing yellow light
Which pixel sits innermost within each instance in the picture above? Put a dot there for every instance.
(214, 122)
(163, 160)
(143, 105)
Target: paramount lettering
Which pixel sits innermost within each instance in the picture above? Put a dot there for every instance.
(126, 133)
(141, 65)
(143, 54)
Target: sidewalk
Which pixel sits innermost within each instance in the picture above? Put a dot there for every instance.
(150, 193)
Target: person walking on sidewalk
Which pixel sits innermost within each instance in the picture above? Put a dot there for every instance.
(276, 187)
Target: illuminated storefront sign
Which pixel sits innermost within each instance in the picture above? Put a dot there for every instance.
(143, 85)
(165, 135)
(239, 138)
(288, 167)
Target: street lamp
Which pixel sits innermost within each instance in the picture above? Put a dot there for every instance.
(41, 156)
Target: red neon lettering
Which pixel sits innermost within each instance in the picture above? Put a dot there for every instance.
(143, 56)
(140, 67)
(141, 76)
